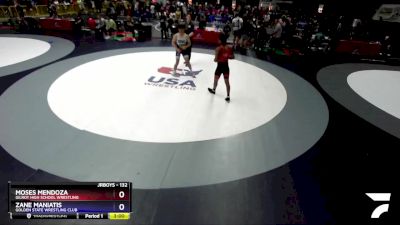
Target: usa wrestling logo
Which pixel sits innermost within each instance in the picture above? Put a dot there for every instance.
(182, 79)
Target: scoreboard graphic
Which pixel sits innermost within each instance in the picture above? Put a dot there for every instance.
(75, 200)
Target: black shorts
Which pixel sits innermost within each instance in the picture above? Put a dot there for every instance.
(222, 68)
(237, 33)
(185, 53)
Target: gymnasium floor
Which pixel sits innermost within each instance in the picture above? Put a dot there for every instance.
(301, 142)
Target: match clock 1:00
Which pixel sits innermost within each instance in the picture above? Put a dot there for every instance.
(119, 216)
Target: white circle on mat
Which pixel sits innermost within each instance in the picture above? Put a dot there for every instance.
(133, 97)
(16, 50)
(379, 87)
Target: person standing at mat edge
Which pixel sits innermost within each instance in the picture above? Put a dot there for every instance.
(223, 53)
(181, 43)
(190, 31)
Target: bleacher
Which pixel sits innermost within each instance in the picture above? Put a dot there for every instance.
(38, 11)
(4, 13)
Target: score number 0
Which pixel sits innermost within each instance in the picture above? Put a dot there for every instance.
(121, 206)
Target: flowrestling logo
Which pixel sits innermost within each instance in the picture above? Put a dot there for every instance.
(182, 79)
(383, 208)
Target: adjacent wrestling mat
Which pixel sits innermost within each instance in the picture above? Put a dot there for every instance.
(371, 91)
(23, 52)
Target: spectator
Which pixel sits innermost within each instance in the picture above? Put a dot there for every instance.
(237, 24)
(92, 4)
(87, 3)
(111, 11)
(184, 9)
(356, 25)
(80, 4)
(202, 22)
(19, 9)
(99, 5)
(170, 25)
(111, 27)
(189, 26)
(246, 33)
(386, 49)
(190, 32)
(163, 25)
(100, 28)
(29, 5)
(120, 9)
(227, 29)
(91, 23)
(277, 34)
(52, 9)
(129, 24)
(178, 14)
(77, 29)
(129, 10)
(153, 11)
